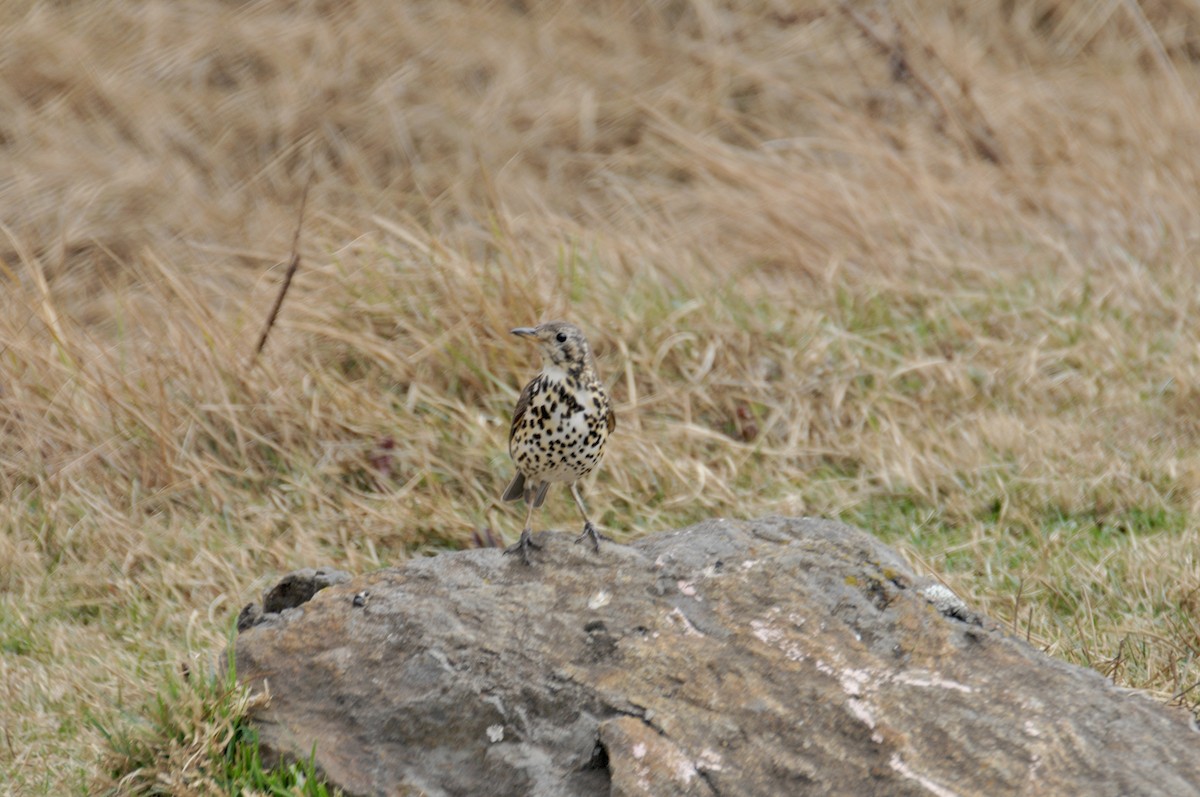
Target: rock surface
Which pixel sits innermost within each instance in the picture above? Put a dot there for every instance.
(768, 657)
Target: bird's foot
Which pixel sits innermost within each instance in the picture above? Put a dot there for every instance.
(591, 533)
(522, 546)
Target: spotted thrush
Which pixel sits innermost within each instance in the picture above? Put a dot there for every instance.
(562, 421)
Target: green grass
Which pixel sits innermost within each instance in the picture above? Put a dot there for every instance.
(193, 737)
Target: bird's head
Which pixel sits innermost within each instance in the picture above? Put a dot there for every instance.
(562, 345)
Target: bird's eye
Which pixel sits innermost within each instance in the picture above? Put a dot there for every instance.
(561, 337)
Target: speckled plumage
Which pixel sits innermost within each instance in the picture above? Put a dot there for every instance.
(560, 425)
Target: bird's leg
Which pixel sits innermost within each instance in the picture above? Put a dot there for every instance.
(526, 542)
(589, 530)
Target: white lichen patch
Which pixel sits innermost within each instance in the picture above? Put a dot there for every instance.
(495, 733)
(683, 770)
(765, 632)
(768, 633)
(600, 599)
(710, 761)
(677, 617)
(853, 681)
(931, 681)
(860, 709)
(860, 684)
(936, 593)
(944, 600)
(931, 786)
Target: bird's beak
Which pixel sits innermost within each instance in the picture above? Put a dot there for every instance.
(525, 332)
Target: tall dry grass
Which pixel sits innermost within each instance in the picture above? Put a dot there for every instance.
(929, 267)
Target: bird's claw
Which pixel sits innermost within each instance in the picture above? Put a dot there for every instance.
(591, 533)
(522, 547)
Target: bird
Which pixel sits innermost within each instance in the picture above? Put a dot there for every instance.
(560, 426)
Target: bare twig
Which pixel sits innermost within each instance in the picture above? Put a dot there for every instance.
(293, 266)
(1016, 619)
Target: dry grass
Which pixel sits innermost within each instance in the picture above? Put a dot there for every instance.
(928, 267)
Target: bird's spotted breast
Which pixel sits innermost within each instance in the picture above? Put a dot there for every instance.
(561, 434)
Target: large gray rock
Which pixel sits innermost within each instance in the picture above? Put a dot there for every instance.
(770, 657)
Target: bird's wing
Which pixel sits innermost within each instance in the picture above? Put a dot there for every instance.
(611, 420)
(522, 405)
(516, 488)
